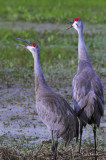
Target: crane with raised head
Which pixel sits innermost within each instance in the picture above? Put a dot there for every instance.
(87, 90)
(54, 111)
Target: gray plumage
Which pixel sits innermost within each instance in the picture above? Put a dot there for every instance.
(57, 115)
(87, 94)
(87, 89)
(54, 111)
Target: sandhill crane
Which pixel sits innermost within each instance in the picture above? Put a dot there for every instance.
(54, 111)
(87, 89)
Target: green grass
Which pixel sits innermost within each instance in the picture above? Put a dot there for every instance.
(54, 47)
(92, 11)
(58, 56)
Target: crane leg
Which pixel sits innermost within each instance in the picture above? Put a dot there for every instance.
(81, 130)
(56, 144)
(54, 147)
(94, 131)
(77, 134)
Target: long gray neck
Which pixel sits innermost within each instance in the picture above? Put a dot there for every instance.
(40, 82)
(82, 51)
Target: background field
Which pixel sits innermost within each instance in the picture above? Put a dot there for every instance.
(53, 11)
(44, 22)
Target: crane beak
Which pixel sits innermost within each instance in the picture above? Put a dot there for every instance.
(23, 41)
(70, 26)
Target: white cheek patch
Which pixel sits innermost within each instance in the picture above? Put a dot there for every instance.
(75, 25)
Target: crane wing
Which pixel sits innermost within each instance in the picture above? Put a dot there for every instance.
(87, 95)
(98, 90)
(83, 96)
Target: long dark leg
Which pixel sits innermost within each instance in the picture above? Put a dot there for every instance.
(56, 144)
(94, 131)
(81, 130)
(77, 134)
(53, 147)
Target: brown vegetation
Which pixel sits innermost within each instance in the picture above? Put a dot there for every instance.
(45, 153)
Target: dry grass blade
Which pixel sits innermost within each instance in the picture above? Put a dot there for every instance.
(45, 153)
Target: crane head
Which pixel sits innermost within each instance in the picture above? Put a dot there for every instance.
(28, 43)
(30, 46)
(76, 23)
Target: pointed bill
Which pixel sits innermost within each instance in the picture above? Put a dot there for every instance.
(70, 26)
(24, 41)
(22, 45)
